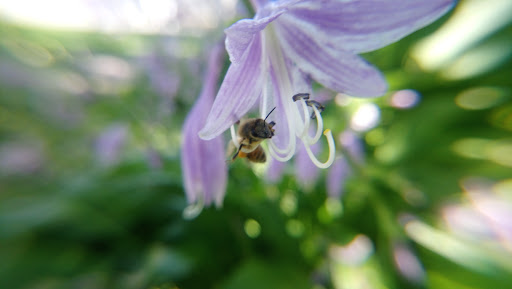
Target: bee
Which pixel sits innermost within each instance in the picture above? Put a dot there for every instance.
(251, 133)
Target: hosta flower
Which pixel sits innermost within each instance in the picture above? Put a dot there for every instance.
(287, 43)
(203, 162)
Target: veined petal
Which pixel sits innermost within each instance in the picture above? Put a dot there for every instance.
(214, 170)
(239, 91)
(336, 69)
(240, 35)
(362, 26)
(283, 135)
(203, 164)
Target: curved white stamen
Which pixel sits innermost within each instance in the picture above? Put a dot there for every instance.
(265, 96)
(276, 58)
(306, 119)
(287, 153)
(264, 101)
(330, 160)
(319, 127)
(274, 150)
(289, 150)
(233, 136)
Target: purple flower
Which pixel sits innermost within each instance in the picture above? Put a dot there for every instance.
(203, 162)
(288, 43)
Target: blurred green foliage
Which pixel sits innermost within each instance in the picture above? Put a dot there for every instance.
(71, 219)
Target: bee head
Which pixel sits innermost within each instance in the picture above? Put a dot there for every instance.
(263, 129)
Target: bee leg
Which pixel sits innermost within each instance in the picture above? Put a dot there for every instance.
(237, 152)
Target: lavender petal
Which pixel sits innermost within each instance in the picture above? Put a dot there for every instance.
(240, 36)
(362, 26)
(239, 91)
(336, 69)
(203, 164)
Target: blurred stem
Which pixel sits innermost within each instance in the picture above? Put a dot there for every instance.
(385, 217)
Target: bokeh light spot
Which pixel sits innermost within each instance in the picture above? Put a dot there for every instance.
(375, 137)
(366, 117)
(289, 203)
(498, 151)
(404, 99)
(503, 188)
(470, 147)
(466, 254)
(479, 97)
(295, 228)
(333, 207)
(252, 228)
(501, 152)
(472, 21)
(393, 149)
(354, 253)
(479, 60)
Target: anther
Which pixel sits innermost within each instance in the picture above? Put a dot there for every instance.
(314, 103)
(300, 96)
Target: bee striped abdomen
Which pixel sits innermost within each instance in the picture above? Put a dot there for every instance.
(257, 155)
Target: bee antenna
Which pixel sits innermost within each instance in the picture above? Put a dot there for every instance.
(270, 113)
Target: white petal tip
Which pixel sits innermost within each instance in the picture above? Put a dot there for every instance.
(192, 211)
(205, 135)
